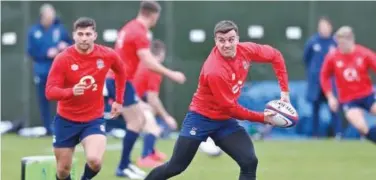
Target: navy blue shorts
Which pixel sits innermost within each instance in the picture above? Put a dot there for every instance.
(130, 96)
(68, 133)
(200, 127)
(364, 103)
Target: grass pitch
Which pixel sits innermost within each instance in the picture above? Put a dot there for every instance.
(278, 160)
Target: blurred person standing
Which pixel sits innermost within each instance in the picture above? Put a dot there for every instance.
(45, 40)
(314, 53)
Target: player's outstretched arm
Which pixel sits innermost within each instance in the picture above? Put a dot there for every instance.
(268, 54)
(152, 95)
(226, 98)
(120, 77)
(152, 63)
(55, 82)
(156, 103)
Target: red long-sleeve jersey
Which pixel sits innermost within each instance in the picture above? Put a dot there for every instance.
(146, 80)
(221, 80)
(132, 37)
(70, 68)
(350, 72)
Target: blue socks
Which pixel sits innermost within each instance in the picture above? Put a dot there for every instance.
(128, 143)
(149, 142)
(336, 123)
(88, 173)
(372, 134)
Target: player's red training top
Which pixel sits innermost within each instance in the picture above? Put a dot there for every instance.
(71, 67)
(350, 72)
(146, 80)
(221, 80)
(132, 37)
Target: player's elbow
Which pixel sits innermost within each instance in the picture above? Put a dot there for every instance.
(49, 95)
(278, 57)
(31, 52)
(149, 60)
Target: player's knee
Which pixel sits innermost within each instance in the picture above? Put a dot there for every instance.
(158, 131)
(136, 123)
(63, 170)
(94, 162)
(248, 164)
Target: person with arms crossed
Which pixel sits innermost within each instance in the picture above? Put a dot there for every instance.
(349, 64)
(76, 81)
(133, 46)
(44, 41)
(214, 109)
(147, 85)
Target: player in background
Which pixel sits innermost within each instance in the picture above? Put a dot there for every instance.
(214, 107)
(133, 46)
(349, 64)
(76, 81)
(147, 85)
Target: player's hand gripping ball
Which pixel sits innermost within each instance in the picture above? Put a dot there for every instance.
(285, 114)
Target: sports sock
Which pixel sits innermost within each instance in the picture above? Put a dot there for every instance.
(88, 173)
(149, 142)
(128, 143)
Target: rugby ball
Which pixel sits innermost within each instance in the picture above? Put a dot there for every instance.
(286, 115)
(210, 148)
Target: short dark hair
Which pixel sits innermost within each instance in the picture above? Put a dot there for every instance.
(225, 26)
(157, 47)
(325, 18)
(149, 7)
(84, 22)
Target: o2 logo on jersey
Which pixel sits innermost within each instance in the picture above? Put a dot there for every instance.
(236, 87)
(350, 74)
(89, 82)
